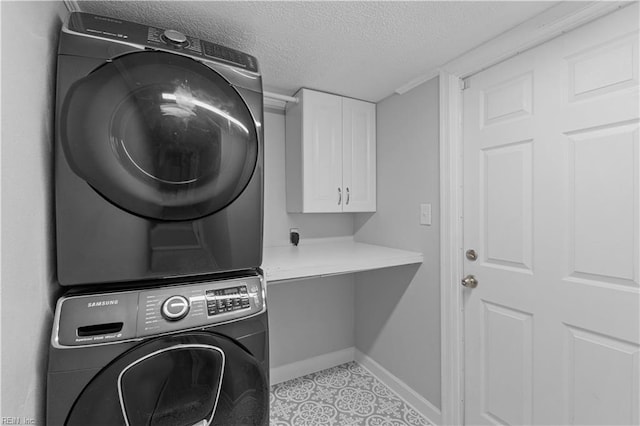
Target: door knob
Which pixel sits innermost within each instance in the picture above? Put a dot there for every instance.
(470, 281)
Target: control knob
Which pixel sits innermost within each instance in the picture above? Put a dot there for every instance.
(175, 308)
(175, 37)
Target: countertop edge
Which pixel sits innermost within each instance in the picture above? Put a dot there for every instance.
(317, 259)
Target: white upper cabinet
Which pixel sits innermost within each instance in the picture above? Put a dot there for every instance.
(330, 154)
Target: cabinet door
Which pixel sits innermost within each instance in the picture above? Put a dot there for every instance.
(359, 156)
(322, 152)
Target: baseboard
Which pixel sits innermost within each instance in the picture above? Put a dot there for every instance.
(307, 366)
(411, 397)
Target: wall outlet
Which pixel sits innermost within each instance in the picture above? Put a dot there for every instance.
(425, 214)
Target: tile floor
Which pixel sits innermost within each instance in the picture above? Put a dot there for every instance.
(346, 395)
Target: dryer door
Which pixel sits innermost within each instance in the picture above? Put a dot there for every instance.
(160, 135)
(185, 380)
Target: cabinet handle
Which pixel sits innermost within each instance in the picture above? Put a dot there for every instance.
(348, 195)
(339, 196)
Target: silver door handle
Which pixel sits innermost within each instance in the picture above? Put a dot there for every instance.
(339, 196)
(348, 195)
(470, 281)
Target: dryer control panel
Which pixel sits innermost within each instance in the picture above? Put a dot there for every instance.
(127, 32)
(132, 315)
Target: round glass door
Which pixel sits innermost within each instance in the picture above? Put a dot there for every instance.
(160, 135)
(185, 380)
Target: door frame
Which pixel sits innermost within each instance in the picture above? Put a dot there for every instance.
(549, 24)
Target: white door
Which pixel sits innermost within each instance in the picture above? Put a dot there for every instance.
(322, 152)
(358, 155)
(551, 206)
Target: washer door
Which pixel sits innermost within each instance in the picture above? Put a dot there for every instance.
(186, 380)
(160, 135)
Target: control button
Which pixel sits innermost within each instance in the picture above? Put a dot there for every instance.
(175, 308)
(175, 37)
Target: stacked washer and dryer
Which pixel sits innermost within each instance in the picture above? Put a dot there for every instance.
(159, 207)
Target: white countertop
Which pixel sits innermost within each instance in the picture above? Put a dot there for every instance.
(331, 256)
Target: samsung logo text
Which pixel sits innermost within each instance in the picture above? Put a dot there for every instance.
(102, 303)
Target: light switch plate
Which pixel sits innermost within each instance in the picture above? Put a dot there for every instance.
(425, 214)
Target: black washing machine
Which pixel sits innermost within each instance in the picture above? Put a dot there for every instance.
(158, 154)
(184, 355)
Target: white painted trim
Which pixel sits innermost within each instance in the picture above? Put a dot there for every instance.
(451, 321)
(311, 365)
(417, 81)
(551, 23)
(410, 396)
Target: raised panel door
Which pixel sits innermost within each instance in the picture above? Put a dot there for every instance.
(359, 155)
(552, 206)
(322, 152)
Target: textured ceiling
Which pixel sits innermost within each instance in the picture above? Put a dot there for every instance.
(363, 49)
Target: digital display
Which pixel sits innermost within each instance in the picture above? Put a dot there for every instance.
(226, 300)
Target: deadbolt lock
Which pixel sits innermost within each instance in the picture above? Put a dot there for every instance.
(471, 255)
(470, 281)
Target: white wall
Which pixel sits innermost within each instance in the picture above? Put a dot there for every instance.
(307, 318)
(398, 310)
(29, 44)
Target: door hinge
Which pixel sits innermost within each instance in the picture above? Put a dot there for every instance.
(464, 84)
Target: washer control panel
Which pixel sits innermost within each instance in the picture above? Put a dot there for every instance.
(130, 315)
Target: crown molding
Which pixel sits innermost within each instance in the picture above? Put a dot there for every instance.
(417, 81)
(543, 27)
